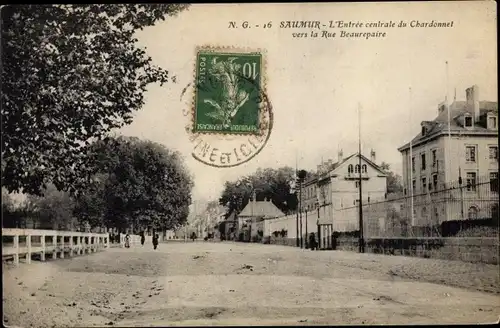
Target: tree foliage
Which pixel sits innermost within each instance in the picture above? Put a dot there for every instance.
(138, 183)
(54, 210)
(71, 74)
(12, 215)
(273, 184)
(394, 181)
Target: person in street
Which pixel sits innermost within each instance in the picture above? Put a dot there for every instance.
(155, 241)
(127, 241)
(143, 238)
(193, 236)
(312, 242)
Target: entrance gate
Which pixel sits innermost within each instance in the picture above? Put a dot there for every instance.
(325, 236)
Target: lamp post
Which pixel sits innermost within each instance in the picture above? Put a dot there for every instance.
(301, 174)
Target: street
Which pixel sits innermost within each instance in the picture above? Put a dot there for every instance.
(208, 283)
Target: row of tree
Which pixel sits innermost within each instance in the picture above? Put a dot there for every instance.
(272, 184)
(134, 183)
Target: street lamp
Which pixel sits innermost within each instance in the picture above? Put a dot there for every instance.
(301, 174)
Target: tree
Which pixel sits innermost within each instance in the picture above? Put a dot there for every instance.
(52, 211)
(136, 183)
(71, 74)
(273, 184)
(394, 181)
(12, 215)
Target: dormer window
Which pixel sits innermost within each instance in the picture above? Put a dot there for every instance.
(424, 131)
(492, 122)
(468, 121)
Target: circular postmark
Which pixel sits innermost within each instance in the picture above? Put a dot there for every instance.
(230, 115)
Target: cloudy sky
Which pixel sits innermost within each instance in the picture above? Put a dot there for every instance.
(315, 85)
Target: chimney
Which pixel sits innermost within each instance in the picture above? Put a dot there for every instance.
(340, 156)
(472, 100)
(372, 156)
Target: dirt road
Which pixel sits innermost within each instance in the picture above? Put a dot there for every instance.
(242, 284)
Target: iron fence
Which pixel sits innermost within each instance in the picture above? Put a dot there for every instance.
(439, 212)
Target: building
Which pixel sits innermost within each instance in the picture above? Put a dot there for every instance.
(338, 189)
(252, 219)
(309, 195)
(453, 152)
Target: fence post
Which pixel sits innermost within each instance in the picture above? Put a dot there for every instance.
(54, 243)
(42, 255)
(62, 246)
(71, 253)
(28, 245)
(106, 240)
(16, 247)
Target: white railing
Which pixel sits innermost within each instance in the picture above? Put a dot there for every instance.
(27, 242)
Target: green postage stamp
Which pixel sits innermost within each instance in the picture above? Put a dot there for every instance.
(228, 92)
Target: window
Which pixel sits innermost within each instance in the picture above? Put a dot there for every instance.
(413, 164)
(472, 213)
(468, 121)
(413, 185)
(424, 184)
(424, 212)
(349, 168)
(368, 199)
(436, 212)
(435, 181)
(434, 158)
(493, 153)
(470, 154)
(492, 122)
(494, 181)
(357, 168)
(363, 168)
(424, 130)
(471, 181)
(357, 184)
(404, 192)
(423, 164)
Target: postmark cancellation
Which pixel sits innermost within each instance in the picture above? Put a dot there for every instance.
(230, 114)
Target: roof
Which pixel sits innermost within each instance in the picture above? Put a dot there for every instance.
(335, 166)
(263, 209)
(440, 124)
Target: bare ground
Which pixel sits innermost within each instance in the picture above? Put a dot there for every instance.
(243, 284)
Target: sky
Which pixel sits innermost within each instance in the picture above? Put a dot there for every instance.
(316, 84)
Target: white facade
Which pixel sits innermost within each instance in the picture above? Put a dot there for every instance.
(338, 191)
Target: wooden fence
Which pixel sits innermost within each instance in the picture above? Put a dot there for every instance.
(18, 243)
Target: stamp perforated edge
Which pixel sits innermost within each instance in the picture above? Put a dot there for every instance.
(263, 107)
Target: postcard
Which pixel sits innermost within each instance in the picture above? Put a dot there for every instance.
(250, 164)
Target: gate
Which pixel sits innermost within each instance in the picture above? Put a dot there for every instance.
(325, 237)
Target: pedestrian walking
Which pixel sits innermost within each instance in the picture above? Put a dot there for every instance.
(127, 241)
(155, 241)
(143, 238)
(313, 245)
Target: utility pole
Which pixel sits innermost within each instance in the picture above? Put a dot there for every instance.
(361, 238)
(297, 212)
(300, 213)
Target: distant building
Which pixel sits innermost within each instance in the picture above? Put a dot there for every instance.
(338, 189)
(442, 154)
(309, 197)
(251, 220)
